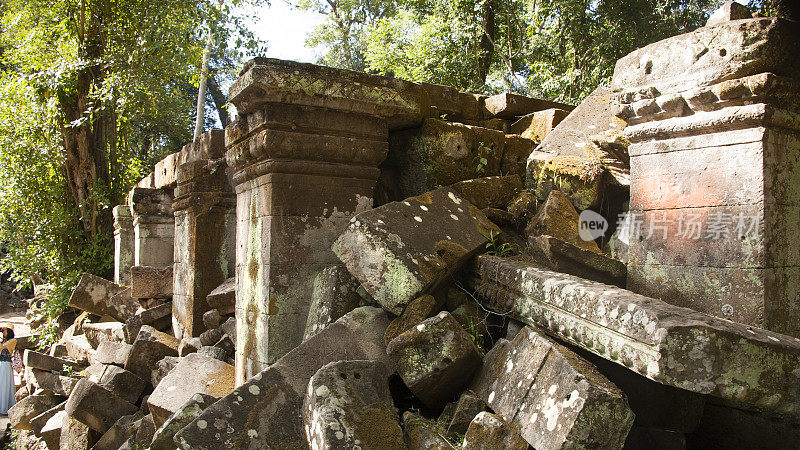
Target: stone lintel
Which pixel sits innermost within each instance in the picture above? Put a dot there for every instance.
(668, 344)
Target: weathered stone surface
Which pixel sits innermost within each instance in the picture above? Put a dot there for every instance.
(401, 250)
(194, 374)
(79, 349)
(103, 331)
(348, 404)
(213, 352)
(558, 218)
(41, 361)
(104, 298)
(51, 431)
(557, 398)
(489, 192)
(436, 359)
(123, 383)
(123, 244)
(418, 310)
(657, 340)
(153, 226)
(210, 337)
(454, 105)
(162, 369)
(158, 317)
(491, 431)
(163, 439)
(468, 406)
(37, 422)
(211, 319)
(76, 435)
(150, 347)
(419, 435)
(271, 401)
(115, 353)
(50, 381)
(223, 297)
(561, 256)
(335, 294)
(116, 436)
(151, 282)
(142, 436)
(539, 124)
(96, 406)
(509, 106)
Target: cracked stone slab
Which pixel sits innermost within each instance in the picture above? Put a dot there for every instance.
(668, 344)
(403, 249)
(348, 405)
(490, 431)
(96, 406)
(557, 398)
(104, 298)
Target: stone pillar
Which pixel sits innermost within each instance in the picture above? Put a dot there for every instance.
(153, 226)
(715, 170)
(123, 245)
(304, 151)
(205, 241)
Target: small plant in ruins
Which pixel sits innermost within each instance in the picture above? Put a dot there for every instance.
(473, 328)
(481, 159)
(494, 247)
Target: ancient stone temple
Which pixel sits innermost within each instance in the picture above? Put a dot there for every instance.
(359, 261)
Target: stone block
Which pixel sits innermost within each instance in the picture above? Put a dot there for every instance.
(103, 331)
(419, 434)
(163, 368)
(490, 192)
(80, 350)
(194, 374)
(223, 297)
(648, 336)
(210, 337)
(123, 244)
(348, 404)
(418, 310)
(115, 353)
(163, 439)
(75, 435)
(151, 282)
(20, 415)
(214, 352)
(158, 317)
(335, 294)
(564, 257)
(490, 431)
(51, 431)
(211, 319)
(123, 383)
(557, 398)
(38, 422)
(150, 347)
(456, 106)
(509, 106)
(119, 433)
(468, 406)
(557, 217)
(401, 250)
(50, 381)
(103, 298)
(436, 359)
(142, 436)
(539, 124)
(41, 361)
(268, 414)
(96, 406)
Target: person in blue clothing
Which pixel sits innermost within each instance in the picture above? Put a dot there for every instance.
(6, 372)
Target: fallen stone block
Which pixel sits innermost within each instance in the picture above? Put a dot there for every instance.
(557, 398)
(96, 406)
(229, 328)
(150, 347)
(509, 106)
(268, 414)
(142, 434)
(163, 439)
(226, 344)
(211, 319)
(119, 433)
(151, 282)
(223, 297)
(123, 383)
(657, 340)
(194, 374)
(104, 331)
(37, 423)
(76, 435)
(162, 369)
(491, 431)
(188, 346)
(436, 359)
(489, 192)
(210, 337)
(401, 250)
(348, 404)
(418, 310)
(335, 294)
(420, 435)
(109, 352)
(539, 124)
(213, 352)
(51, 431)
(468, 406)
(41, 361)
(50, 381)
(158, 317)
(103, 298)
(564, 257)
(558, 218)
(20, 415)
(80, 350)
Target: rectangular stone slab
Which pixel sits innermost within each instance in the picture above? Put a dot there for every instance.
(668, 344)
(151, 282)
(104, 298)
(402, 249)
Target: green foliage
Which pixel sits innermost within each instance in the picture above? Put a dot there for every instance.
(475, 332)
(496, 247)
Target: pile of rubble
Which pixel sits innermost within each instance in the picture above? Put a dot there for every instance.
(403, 267)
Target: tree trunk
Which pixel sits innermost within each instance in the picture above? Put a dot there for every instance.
(219, 101)
(486, 48)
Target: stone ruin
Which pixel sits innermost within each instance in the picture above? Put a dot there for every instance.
(364, 262)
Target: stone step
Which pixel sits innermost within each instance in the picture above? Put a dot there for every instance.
(668, 344)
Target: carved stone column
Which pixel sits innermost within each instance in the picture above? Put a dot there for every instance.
(304, 151)
(153, 226)
(715, 170)
(123, 245)
(205, 241)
